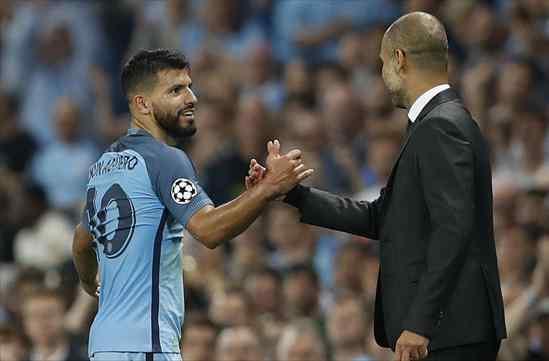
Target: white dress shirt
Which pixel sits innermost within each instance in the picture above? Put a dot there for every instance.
(423, 99)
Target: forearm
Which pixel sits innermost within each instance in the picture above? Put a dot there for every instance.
(84, 256)
(213, 226)
(328, 210)
(86, 265)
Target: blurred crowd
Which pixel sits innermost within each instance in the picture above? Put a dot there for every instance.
(306, 72)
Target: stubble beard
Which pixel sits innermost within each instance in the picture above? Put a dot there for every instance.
(170, 124)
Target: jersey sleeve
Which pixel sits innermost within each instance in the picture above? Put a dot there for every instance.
(178, 188)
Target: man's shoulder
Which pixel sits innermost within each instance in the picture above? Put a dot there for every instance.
(451, 118)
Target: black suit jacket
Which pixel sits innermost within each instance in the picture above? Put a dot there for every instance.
(438, 269)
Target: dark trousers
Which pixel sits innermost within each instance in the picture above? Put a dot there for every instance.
(486, 351)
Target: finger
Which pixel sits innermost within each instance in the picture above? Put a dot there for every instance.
(306, 174)
(299, 168)
(415, 354)
(253, 162)
(295, 162)
(247, 182)
(424, 352)
(405, 356)
(294, 154)
(270, 147)
(398, 353)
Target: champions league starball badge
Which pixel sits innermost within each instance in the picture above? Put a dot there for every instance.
(183, 190)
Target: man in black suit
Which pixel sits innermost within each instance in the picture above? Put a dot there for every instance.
(438, 293)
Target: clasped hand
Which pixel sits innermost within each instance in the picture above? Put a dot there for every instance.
(282, 172)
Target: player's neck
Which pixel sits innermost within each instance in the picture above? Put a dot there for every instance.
(154, 130)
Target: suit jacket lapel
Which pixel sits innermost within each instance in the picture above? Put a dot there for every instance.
(442, 97)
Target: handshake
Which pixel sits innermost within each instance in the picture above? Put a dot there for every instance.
(281, 174)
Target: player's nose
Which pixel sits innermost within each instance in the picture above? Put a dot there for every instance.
(191, 98)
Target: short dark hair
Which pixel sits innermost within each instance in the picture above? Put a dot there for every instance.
(145, 65)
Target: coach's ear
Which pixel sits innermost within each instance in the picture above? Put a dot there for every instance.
(142, 105)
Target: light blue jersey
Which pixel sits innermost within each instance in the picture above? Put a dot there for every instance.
(140, 196)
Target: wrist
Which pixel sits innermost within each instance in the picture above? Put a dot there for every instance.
(265, 191)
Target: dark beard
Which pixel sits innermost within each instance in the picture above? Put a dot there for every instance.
(169, 122)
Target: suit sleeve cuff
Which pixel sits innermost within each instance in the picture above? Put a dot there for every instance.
(423, 327)
(296, 195)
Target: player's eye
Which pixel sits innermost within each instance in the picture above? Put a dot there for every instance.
(176, 90)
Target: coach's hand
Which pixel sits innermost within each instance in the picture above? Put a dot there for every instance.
(411, 346)
(284, 172)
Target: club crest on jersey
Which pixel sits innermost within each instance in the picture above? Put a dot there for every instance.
(183, 190)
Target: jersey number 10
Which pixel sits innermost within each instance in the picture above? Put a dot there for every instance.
(115, 241)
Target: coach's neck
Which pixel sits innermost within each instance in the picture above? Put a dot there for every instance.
(420, 82)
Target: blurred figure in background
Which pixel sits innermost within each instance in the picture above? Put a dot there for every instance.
(301, 341)
(43, 313)
(62, 167)
(12, 344)
(239, 344)
(45, 239)
(199, 338)
(231, 307)
(301, 290)
(17, 146)
(348, 325)
(293, 242)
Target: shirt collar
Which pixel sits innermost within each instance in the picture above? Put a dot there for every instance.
(423, 99)
(137, 131)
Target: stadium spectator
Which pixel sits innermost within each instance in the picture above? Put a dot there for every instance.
(44, 240)
(17, 146)
(56, 74)
(43, 313)
(12, 344)
(199, 338)
(301, 290)
(348, 325)
(231, 307)
(294, 243)
(62, 167)
(299, 341)
(238, 344)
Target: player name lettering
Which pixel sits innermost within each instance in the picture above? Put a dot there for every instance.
(119, 162)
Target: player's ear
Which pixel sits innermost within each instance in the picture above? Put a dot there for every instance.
(142, 104)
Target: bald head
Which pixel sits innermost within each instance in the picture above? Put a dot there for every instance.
(422, 38)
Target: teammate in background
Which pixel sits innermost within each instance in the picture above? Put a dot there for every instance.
(141, 195)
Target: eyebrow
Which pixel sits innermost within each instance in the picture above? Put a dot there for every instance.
(174, 86)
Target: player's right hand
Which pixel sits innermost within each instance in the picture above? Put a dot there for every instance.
(284, 172)
(92, 289)
(256, 173)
